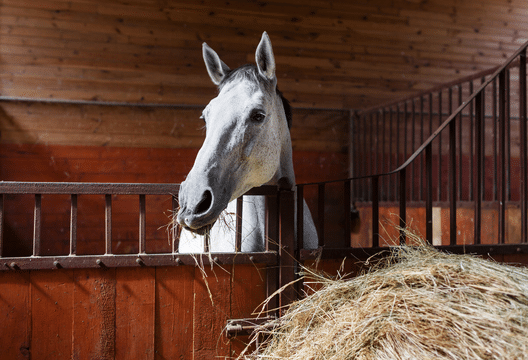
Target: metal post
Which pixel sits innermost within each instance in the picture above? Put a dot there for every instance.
(73, 225)
(37, 225)
(142, 224)
(108, 224)
(375, 211)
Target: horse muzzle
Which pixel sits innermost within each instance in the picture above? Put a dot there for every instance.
(198, 209)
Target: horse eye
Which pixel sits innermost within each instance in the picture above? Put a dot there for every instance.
(257, 116)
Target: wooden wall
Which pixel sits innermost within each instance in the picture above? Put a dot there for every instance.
(330, 54)
(126, 313)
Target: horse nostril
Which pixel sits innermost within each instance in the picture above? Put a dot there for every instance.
(205, 203)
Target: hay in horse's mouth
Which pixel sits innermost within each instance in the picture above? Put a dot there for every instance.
(201, 230)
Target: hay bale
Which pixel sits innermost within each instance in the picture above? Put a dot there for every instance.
(421, 304)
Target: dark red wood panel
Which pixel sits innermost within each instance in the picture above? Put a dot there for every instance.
(174, 312)
(15, 315)
(51, 314)
(134, 307)
(94, 315)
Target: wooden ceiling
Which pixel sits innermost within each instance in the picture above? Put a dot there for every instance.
(330, 54)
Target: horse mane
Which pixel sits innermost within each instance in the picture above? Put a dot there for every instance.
(250, 72)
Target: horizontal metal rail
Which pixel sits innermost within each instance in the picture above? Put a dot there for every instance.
(108, 259)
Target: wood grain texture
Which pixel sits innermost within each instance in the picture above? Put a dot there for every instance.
(331, 54)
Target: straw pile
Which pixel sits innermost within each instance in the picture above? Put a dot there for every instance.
(419, 304)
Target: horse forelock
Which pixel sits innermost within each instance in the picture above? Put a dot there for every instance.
(250, 72)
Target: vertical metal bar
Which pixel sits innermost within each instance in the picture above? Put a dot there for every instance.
(239, 214)
(413, 144)
(300, 217)
(37, 217)
(471, 146)
(346, 208)
(494, 127)
(389, 154)
(452, 182)
(383, 142)
(321, 213)
(483, 140)
(479, 170)
(397, 163)
(108, 224)
(272, 244)
(429, 193)
(73, 225)
(460, 147)
(508, 137)
(420, 176)
(403, 205)
(375, 211)
(286, 248)
(524, 150)
(1, 225)
(142, 224)
(176, 229)
(440, 172)
(502, 156)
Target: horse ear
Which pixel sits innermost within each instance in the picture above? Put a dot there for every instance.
(215, 67)
(264, 57)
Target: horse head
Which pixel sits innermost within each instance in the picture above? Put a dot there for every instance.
(247, 139)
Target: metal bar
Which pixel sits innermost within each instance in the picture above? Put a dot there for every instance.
(479, 168)
(483, 141)
(502, 156)
(471, 145)
(429, 193)
(460, 148)
(452, 183)
(142, 224)
(1, 225)
(403, 205)
(286, 248)
(375, 211)
(73, 224)
(346, 208)
(108, 224)
(239, 214)
(272, 244)
(130, 260)
(383, 142)
(80, 188)
(494, 127)
(175, 230)
(321, 214)
(524, 150)
(37, 218)
(413, 172)
(388, 179)
(508, 137)
(420, 176)
(367, 253)
(300, 217)
(440, 172)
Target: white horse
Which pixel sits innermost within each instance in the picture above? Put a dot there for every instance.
(247, 145)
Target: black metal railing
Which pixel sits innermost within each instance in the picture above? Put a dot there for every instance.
(474, 154)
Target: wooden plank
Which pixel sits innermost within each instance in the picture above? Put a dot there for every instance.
(94, 316)
(248, 291)
(211, 309)
(174, 312)
(15, 315)
(135, 310)
(51, 314)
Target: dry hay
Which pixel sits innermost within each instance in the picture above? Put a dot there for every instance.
(419, 304)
